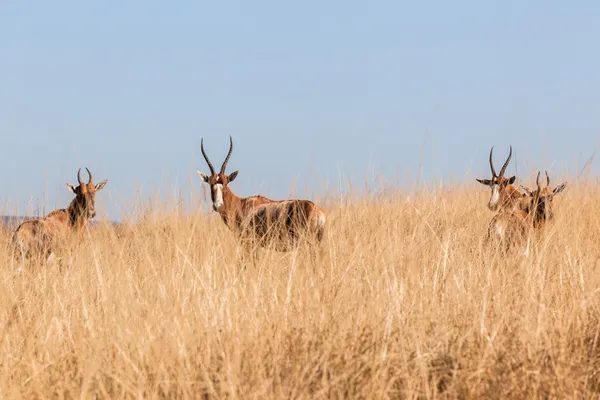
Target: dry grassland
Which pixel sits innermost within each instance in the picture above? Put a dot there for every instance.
(406, 301)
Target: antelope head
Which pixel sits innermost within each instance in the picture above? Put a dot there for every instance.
(85, 195)
(499, 183)
(541, 199)
(217, 181)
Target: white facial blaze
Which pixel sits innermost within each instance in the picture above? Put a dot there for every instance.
(494, 198)
(218, 196)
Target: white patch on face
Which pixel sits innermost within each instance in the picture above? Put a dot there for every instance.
(218, 203)
(494, 198)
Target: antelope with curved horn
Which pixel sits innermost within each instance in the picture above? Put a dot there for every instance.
(259, 220)
(509, 224)
(516, 225)
(43, 236)
(504, 195)
(541, 201)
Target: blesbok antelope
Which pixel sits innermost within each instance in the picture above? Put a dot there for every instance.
(509, 224)
(259, 221)
(41, 237)
(504, 195)
(524, 223)
(541, 201)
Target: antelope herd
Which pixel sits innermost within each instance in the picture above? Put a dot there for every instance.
(520, 215)
(257, 221)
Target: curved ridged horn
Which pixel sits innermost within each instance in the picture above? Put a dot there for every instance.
(506, 163)
(79, 177)
(89, 173)
(547, 179)
(228, 155)
(537, 181)
(210, 166)
(492, 163)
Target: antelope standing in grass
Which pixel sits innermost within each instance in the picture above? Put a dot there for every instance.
(42, 237)
(259, 221)
(509, 224)
(541, 201)
(525, 223)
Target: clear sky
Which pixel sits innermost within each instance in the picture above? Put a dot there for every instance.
(312, 92)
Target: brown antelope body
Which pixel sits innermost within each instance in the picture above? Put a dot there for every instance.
(540, 209)
(525, 223)
(509, 225)
(259, 221)
(41, 237)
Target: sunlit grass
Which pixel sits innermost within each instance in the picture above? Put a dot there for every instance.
(405, 301)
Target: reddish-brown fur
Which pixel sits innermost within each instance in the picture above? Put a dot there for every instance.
(514, 226)
(504, 196)
(540, 201)
(509, 225)
(41, 237)
(259, 221)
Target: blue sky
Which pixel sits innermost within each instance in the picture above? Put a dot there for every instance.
(312, 92)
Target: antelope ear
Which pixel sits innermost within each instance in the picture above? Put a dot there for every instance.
(559, 188)
(232, 176)
(100, 186)
(486, 182)
(526, 190)
(512, 179)
(203, 176)
(71, 187)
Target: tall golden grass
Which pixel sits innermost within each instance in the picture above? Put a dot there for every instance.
(405, 301)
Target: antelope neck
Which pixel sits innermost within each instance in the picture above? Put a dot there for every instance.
(513, 196)
(230, 204)
(77, 219)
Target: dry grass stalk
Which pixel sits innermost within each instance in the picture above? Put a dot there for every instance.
(406, 301)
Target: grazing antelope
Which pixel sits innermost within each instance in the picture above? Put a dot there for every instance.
(41, 237)
(504, 195)
(541, 201)
(259, 221)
